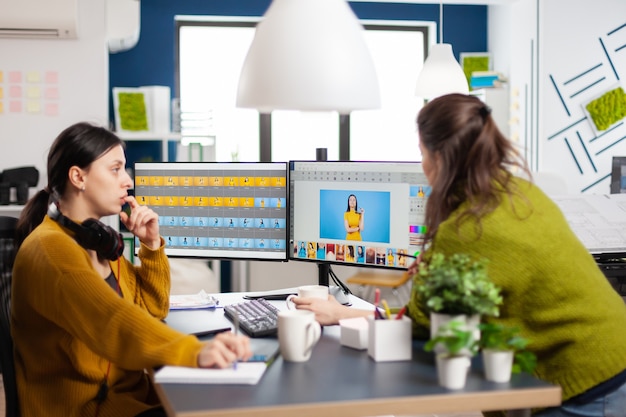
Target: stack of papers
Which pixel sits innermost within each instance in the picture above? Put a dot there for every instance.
(199, 300)
(248, 373)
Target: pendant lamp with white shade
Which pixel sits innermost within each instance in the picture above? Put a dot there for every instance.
(309, 55)
(441, 73)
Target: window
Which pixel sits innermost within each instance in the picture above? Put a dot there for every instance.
(211, 54)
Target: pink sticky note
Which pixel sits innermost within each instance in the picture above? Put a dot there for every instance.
(15, 91)
(15, 77)
(51, 77)
(15, 106)
(51, 109)
(51, 93)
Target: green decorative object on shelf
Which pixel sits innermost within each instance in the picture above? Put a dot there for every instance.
(475, 62)
(132, 111)
(607, 109)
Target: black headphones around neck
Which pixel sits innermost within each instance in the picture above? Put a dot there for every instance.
(92, 234)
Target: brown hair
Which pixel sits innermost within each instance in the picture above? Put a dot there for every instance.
(78, 145)
(473, 158)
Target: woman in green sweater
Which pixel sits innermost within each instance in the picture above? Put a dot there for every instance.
(87, 323)
(553, 290)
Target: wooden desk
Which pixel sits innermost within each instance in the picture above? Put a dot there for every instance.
(339, 381)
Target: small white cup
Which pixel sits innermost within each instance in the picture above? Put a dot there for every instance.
(308, 291)
(298, 333)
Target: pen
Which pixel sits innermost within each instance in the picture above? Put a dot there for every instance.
(414, 256)
(211, 332)
(386, 307)
(236, 323)
(376, 301)
(401, 313)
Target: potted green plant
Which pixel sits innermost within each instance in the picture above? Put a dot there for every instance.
(504, 352)
(457, 287)
(453, 362)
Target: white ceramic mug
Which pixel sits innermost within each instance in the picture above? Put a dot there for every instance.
(298, 333)
(308, 291)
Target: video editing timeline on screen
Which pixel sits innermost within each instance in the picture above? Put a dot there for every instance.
(224, 210)
(392, 196)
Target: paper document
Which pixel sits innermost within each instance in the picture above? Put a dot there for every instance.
(199, 300)
(248, 373)
(599, 220)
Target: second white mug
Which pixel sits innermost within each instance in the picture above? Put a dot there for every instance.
(309, 291)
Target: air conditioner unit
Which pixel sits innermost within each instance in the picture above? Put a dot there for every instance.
(123, 24)
(37, 19)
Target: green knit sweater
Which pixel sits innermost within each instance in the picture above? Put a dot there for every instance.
(68, 324)
(552, 289)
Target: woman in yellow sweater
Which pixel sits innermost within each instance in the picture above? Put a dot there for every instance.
(353, 219)
(86, 323)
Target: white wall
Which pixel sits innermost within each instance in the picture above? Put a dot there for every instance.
(554, 46)
(579, 60)
(79, 94)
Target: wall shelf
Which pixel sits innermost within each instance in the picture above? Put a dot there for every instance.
(163, 137)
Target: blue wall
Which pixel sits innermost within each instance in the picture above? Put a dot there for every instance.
(152, 60)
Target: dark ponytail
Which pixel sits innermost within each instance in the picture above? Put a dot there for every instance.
(32, 215)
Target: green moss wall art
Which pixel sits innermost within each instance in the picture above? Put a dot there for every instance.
(475, 61)
(132, 111)
(607, 109)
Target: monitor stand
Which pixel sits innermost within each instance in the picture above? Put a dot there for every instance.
(323, 270)
(340, 291)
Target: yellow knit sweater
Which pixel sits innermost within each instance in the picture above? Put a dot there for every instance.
(68, 325)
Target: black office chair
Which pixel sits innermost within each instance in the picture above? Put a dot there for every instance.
(7, 255)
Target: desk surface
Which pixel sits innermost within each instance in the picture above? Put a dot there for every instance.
(340, 381)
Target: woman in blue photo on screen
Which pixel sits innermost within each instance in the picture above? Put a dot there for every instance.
(556, 295)
(353, 219)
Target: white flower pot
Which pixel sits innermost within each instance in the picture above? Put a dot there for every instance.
(438, 319)
(498, 365)
(452, 371)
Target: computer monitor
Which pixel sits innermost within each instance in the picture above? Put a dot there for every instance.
(218, 210)
(392, 196)
(618, 175)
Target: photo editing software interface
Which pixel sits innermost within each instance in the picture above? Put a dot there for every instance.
(363, 213)
(231, 210)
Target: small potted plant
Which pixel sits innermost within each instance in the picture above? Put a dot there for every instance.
(457, 287)
(504, 352)
(454, 362)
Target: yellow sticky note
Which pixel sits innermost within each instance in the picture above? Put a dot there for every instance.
(1, 76)
(33, 106)
(1, 107)
(33, 92)
(1, 92)
(33, 77)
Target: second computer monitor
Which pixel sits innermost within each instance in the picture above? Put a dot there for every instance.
(218, 210)
(357, 213)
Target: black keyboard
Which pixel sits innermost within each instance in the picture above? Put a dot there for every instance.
(256, 317)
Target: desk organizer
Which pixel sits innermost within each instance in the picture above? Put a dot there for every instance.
(389, 340)
(354, 333)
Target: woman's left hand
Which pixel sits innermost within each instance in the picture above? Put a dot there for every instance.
(143, 222)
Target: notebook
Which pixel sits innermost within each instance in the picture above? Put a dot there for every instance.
(246, 373)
